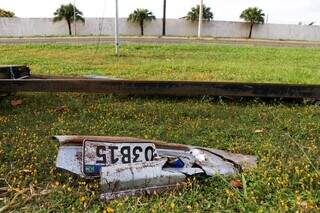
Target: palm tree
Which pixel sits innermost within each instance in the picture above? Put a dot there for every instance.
(66, 12)
(6, 13)
(193, 14)
(253, 15)
(140, 16)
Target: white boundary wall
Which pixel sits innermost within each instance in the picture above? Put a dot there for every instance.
(19, 27)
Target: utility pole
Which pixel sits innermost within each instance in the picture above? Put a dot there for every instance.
(164, 17)
(74, 18)
(117, 42)
(200, 19)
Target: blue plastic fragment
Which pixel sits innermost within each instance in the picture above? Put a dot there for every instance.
(176, 163)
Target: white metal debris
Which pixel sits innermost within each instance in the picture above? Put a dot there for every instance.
(70, 158)
(130, 166)
(137, 178)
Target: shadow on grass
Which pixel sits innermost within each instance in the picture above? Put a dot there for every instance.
(240, 101)
(224, 100)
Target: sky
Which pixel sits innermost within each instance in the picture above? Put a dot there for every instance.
(277, 11)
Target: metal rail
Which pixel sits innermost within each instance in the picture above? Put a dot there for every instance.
(162, 88)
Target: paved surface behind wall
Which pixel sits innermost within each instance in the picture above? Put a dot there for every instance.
(153, 40)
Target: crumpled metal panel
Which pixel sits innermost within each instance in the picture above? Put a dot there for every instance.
(184, 155)
(212, 161)
(137, 178)
(243, 161)
(129, 166)
(70, 159)
(213, 164)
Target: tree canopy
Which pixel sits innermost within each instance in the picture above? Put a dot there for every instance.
(193, 14)
(6, 13)
(66, 12)
(140, 16)
(253, 15)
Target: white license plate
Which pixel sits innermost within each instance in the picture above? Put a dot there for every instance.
(101, 154)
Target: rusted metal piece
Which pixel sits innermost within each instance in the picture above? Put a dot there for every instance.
(92, 77)
(162, 88)
(13, 79)
(78, 139)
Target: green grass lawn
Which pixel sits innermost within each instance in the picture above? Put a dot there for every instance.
(287, 143)
(173, 62)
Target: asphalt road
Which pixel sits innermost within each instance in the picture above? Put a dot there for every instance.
(153, 40)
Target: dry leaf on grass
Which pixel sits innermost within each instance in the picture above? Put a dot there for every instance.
(236, 183)
(61, 109)
(16, 102)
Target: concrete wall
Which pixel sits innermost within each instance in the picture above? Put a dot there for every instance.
(17, 27)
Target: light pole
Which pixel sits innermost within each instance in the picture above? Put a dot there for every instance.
(74, 18)
(164, 17)
(200, 18)
(117, 42)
